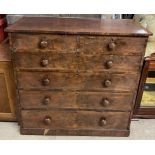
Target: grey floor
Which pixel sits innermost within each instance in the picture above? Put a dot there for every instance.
(140, 129)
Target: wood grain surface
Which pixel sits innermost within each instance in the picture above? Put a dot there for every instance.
(74, 119)
(72, 62)
(124, 27)
(83, 44)
(7, 86)
(74, 81)
(76, 100)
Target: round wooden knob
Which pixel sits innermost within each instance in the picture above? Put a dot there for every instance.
(107, 83)
(44, 62)
(45, 82)
(111, 46)
(43, 44)
(103, 122)
(46, 100)
(47, 121)
(105, 102)
(109, 64)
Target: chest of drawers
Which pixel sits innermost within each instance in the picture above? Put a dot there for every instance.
(76, 76)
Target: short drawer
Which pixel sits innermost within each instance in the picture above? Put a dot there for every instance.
(75, 100)
(112, 45)
(34, 42)
(73, 81)
(114, 63)
(70, 61)
(74, 119)
(45, 60)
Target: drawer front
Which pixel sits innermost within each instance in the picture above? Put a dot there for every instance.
(47, 60)
(84, 44)
(75, 100)
(112, 45)
(112, 63)
(57, 43)
(73, 81)
(74, 119)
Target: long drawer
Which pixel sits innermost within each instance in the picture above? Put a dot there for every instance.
(76, 100)
(74, 81)
(74, 119)
(86, 44)
(71, 61)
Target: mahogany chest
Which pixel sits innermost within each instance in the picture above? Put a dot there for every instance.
(76, 76)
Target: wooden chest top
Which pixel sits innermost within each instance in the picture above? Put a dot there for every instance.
(78, 26)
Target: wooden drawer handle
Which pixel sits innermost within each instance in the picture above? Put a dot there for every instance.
(43, 44)
(46, 100)
(109, 64)
(107, 83)
(103, 121)
(45, 82)
(111, 46)
(105, 102)
(44, 62)
(47, 121)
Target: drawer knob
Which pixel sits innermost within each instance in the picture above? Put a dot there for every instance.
(47, 121)
(109, 64)
(46, 100)
(43, 44)
(107, 83)
(44, 62)
(45, 82)
(105, 102)
(111, 46)
(102, 122)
